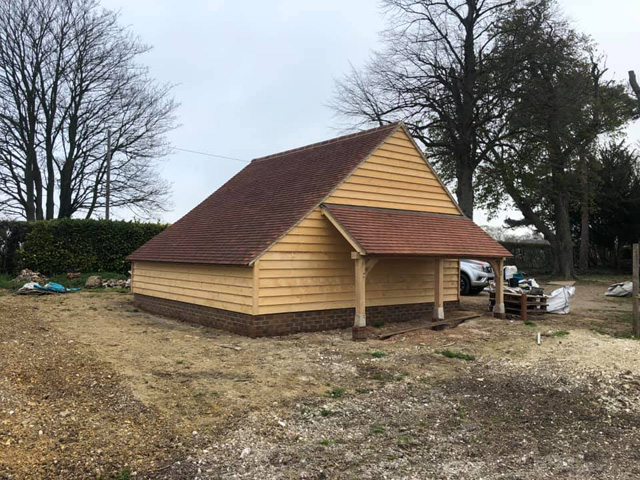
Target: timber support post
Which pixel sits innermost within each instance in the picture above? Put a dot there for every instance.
(635, 291)
(438, 291)
(362, 268)
(498, 308)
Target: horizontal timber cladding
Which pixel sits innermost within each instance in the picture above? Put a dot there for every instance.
(311, 269)
(279, 323)
(395, 176)
(229, 288)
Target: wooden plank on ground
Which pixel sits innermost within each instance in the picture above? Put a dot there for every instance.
(430, 325)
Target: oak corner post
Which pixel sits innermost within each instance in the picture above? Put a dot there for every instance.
(362, 268)
(498, 308)
(438, 300)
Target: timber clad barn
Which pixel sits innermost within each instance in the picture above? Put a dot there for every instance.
(312, 238)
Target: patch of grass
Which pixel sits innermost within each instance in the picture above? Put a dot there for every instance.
(458, 355)
(7, 283)
(325, 412)
(377, 354)
(363, 391)
(326, 442)
(529, 323)
(124, 474)
(622, 336)
(405, 442)
(99, 291)
(560, 333)
(376, 429)
(336, 392)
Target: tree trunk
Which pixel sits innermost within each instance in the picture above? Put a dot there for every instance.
(464, 189)
(633, 81)
(38, 191)
(584, 215)
(564, 249)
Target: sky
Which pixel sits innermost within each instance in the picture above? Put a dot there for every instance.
(255, 77)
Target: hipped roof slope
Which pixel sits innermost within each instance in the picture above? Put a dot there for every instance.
(262, 202)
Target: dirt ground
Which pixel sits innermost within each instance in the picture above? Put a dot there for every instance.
(90, 387)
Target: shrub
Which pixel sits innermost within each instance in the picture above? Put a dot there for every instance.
(12, 235)
(56, 246)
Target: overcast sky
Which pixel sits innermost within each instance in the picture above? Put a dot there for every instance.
(254, 77)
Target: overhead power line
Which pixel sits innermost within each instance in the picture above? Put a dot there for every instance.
(211, 155)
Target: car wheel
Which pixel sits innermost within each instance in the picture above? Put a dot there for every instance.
(465, 284)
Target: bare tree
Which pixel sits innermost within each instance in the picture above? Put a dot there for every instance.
(68, 73)
(433, 75)
(633, 81)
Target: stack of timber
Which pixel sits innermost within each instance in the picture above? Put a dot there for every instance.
(521, 304)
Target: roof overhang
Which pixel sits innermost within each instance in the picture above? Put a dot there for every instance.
(402, 233)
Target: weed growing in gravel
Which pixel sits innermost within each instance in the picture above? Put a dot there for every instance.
(179, 362)
(529, 323)
(405, 442)
(124, 474)
(325, 412)
(458, 355)
(377, 429)
(363, 391)
(376, 354)
(326, 442)
(560, 333)
(336, 392)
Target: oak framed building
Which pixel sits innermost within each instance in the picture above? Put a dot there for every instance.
(352, 230)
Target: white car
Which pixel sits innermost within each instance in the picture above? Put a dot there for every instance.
(475, 275)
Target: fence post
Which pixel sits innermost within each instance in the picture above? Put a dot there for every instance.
(523, 307)
(636, 281)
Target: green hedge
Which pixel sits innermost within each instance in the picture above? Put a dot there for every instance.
(12, 236)
(57, 246)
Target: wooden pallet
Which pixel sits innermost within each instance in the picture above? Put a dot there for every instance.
(521, 304)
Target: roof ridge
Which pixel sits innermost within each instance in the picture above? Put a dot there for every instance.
(330, 141)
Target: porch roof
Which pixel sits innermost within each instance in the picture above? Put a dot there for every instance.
(389, 232)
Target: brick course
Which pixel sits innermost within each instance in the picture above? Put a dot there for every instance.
(280, 323)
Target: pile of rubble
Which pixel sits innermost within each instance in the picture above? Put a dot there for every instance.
(27, 276)
(96, 281)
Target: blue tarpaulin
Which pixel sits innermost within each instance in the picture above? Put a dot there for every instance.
(55, 287)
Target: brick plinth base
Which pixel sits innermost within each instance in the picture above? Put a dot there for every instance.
(280, 323)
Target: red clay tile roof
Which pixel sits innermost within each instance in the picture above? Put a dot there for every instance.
(262, 202)
(381, 231)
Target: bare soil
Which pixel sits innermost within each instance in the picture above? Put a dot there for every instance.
(92, 388)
